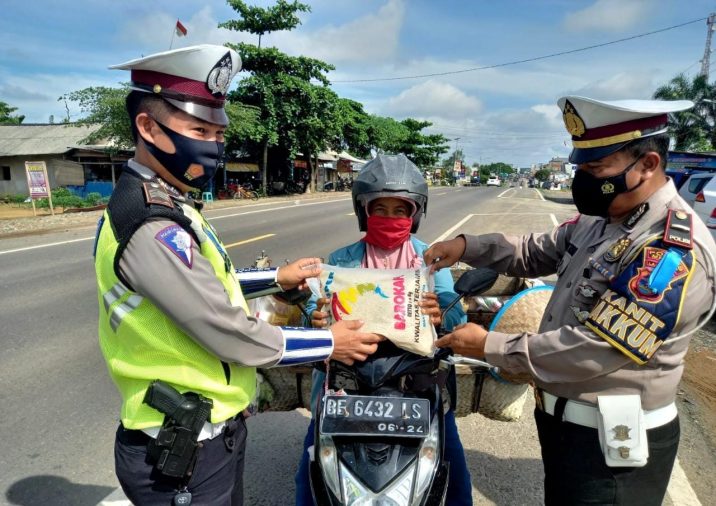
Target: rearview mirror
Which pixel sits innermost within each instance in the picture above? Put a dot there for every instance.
(475, 281)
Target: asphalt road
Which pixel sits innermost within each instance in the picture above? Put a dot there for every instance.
(59, 408)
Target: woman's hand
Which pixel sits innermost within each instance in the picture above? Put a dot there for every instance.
(319, 319)
(429, 306)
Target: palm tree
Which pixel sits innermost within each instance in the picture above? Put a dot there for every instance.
(690, 128)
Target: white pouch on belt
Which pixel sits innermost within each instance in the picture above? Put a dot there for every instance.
(622, 432)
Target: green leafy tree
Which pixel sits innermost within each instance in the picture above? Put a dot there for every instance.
(354, 128)
(260, 20)
(691, 128)
(386, 135)
(423, 149)
(542, 175)
(280, 86)
(6, 116)
(104, 106)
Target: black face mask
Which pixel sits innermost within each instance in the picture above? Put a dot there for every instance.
(188, 151)
(593, 195)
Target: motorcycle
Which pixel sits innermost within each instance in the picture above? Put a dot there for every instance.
(380, 427)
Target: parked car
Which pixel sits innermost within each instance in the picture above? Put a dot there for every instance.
(493, 181)
(473, 181)
(693, 185)
(705, 205)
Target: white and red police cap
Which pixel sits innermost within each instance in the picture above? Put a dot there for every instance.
(600, 128)
(194, 79)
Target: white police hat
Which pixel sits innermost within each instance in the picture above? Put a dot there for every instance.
(194, 79)
(600, 128)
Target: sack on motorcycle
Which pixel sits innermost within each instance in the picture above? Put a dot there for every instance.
(385, 299)
(280, 388)
(501, 397)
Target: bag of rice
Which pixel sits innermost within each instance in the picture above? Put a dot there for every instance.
(385, 299)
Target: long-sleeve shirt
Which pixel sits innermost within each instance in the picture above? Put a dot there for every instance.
(566, 358)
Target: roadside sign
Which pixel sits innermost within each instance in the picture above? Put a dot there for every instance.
(38, 183)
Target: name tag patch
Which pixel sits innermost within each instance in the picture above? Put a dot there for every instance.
(178, 241)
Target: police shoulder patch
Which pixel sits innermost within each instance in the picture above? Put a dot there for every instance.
(178, 241)
(640, 309)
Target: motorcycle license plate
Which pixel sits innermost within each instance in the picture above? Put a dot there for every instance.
(361, 415)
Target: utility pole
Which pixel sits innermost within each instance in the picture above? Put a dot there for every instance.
(706, 61)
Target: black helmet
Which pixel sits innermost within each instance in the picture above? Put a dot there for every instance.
(389, 176)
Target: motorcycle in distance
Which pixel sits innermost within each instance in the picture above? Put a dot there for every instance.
(380, 442)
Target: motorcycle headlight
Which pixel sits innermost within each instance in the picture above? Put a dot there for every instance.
(397, 494)
(328, 458)
(427, 458)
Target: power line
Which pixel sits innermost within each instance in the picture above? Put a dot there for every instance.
(516, 62)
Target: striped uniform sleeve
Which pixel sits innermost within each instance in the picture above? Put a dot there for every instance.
(257, 282)
(302, 345)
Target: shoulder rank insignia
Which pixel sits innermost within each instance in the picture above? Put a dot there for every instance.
(617, 249)
(679, 229)
(155, 193)
(621, 432)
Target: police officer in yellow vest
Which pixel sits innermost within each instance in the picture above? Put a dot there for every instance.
(173, 324)
(635, 279)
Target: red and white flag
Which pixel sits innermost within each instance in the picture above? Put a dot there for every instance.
(181, 29)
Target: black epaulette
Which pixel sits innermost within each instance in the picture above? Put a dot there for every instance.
(135, 200)
(679, 230)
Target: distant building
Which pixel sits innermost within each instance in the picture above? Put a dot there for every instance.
(83, 168)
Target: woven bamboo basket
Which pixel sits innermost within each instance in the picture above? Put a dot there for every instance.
(502, 397)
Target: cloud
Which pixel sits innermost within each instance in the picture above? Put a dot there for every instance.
(372, 38)
(607, 15)
(433, 99)
(620, 86)
(15, 93)
(154, 31)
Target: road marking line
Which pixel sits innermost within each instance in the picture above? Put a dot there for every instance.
(452, 229)
(539, 193)
(507, 190)
(253, 239)
(274, 209)
(554, 219)
(210, 219)
(45, 245)
(443, 193)
(116, 498)
(351, 214)
(679, 488)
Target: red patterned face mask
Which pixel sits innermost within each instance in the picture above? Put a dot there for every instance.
(386, 232)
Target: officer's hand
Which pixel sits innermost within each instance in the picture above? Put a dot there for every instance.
(467, 339)
(294, 274)
(430, 306)
(350, 345)
(444, 253)
(319, 319)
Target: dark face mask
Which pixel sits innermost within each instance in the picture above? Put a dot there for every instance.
(593, 195)
(188, 151)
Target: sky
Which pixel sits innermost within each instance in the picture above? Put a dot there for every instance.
(504, 114)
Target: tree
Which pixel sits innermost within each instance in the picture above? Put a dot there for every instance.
(104, 106)
(386, 135)
(259, 20)
(6, 117)
(354, 128)
(690, 128)
(424, 150)
(279, 84)
(543, 175)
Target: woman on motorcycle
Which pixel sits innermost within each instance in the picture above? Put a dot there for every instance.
(390, 196)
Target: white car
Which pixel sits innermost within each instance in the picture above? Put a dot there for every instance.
(693, 185)
(493, 181)
(705, 206)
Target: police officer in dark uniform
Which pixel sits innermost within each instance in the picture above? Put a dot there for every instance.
(174, 326)
(635, 279)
